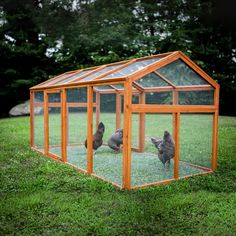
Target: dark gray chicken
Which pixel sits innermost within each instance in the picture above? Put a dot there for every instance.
(97, 137)
(116, 140)
(165, 147)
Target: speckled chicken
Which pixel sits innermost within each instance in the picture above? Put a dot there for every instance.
(165, 147)
(97, 137)
(116, 140)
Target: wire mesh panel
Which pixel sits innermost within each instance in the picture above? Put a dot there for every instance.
(158, 98)
(196, 97)
(108, 132)
(77, 127)
(195, 143)
(155, 163)
(54, 123)
(39, 120)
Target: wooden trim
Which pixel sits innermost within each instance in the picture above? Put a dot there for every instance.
(153, 183)
(179, 88)
(164, 78)
(175, 102)
(169, 180)
(197, 166)
(118, 110)
(154, 66)
(90, 130)
(98, 111)
(127, 131)
(80, 84)
(64, 125)
(46, 132)
(69, 104)
(198, 70)
(32, 119)
(150, 108)
(142, 125)
(37, 150)
(138, 87)
(176, 135)
(106, 180)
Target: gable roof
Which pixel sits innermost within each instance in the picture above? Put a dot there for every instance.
(121, 71)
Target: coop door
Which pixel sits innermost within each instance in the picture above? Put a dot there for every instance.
(54, 124)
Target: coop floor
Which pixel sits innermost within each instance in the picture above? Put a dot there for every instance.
(146, 167)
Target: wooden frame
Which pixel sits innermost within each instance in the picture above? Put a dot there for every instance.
(131, 87)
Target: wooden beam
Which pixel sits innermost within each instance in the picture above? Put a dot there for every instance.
(82, 84)
(90, 130)
(127, 136)
(138, 87)
(98, 111)
(176, 135)
(46, 132)
(142, 125)
(164, 78)
(32, 119)
(150, 108)
(118, 110)
(64, 125)
(175, 102)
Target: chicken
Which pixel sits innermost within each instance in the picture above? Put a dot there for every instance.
(116, 140)
(165, 147)
(97, 137)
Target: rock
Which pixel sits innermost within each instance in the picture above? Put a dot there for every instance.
(23, 109)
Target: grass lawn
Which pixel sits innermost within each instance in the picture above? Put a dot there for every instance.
(43, 197)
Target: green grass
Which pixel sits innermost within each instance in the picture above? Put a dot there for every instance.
(43, 197)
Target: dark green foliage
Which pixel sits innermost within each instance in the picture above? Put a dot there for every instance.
(42, 197)
(42, 38)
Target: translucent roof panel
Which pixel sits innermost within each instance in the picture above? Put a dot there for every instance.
(75, 76)
(100, 72)
(151, 80)
(180, 74)
(138, 65)
(62, 76)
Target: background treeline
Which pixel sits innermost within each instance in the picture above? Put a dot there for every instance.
(43, 38)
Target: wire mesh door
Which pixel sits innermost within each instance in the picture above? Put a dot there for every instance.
(54, 123)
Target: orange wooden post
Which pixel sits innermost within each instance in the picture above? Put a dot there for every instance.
(175, 102)
(90, 130)
(215, 130)
(127, 135)
(118, 110)
(176, 135)
(46, 137)
(142, 125)
(64, 125)
(98, 104)
(31, 119)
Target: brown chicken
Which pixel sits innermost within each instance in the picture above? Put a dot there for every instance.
(97, 137)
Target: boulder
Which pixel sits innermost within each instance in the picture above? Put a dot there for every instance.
(23, 109)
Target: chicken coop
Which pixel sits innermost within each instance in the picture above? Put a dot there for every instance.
(104, 120)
